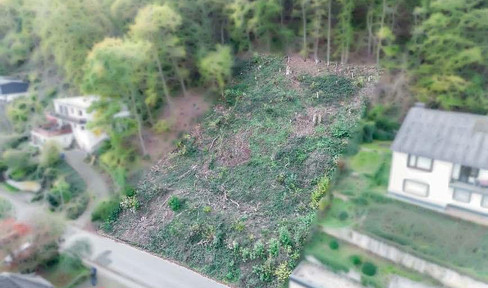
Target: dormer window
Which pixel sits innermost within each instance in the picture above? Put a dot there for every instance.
(421, 163)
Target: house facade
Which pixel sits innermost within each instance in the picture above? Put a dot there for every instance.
(67, 125)
(440, 161)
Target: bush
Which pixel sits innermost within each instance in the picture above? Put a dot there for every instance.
(285, 238)
(356, 260)
(105, 210)
(283, 272)
(334, 245)
(319, 192)
(369, 269)
(76, 208)
(50, 154)
(162, 126)
(343, 216)
(274, 247)
(174, 203)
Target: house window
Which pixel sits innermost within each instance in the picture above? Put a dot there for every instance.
(468, 174)
(82, 127)
(484, 201)
(416, 188)
(421, 163)
(461, 195)
(80, 113)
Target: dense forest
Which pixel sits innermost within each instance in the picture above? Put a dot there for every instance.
(146, 51)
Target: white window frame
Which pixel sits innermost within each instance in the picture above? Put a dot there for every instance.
(415, 193)
(413, 160)
(483, 199)
(457, 190)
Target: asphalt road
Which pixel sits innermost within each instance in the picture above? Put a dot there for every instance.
(138, 267)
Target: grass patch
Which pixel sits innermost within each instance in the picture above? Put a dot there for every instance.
(442, 239)
(255, 170)
(376, 271)
(6, 209)
(9, 187)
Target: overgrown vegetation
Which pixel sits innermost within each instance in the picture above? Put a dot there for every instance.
(249, 180)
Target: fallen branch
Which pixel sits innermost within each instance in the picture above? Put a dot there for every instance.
(213, 142)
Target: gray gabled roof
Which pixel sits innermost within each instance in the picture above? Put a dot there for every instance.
(455, 137)
(11, 280)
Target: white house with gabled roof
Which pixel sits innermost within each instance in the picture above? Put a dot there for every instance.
(440, 161)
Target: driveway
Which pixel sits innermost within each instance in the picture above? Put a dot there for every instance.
(95, 183)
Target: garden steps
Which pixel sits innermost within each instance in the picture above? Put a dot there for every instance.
(445, 276)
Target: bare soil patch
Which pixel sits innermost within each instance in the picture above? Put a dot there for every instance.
(236, 150)
(181, 115)
(299, 66)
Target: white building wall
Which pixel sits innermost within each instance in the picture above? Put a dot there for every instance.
(87, 139)
(64, 141)
(437, 179)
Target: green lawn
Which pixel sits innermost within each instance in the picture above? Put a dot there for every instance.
(347, 257)
(439, 238)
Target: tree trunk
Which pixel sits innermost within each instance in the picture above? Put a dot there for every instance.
(316, 42)
(369, 25)
(222, 38)
(378, 48)
(180, 78)
(329, 16)
(304, 17)
(163, 80)
(139, 124)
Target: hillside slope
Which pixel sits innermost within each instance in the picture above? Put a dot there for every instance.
(245, 175)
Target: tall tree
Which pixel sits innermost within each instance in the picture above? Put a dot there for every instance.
(345, 31)
(68, 29)
(452, 55)
(157, 25)
(114, 70)
(216, 66)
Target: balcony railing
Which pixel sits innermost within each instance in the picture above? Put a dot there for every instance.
(68, 118)
(477, 187)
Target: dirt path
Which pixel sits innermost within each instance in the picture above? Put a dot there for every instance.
(96, 186)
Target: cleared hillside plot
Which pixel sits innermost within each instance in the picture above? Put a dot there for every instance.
(234, 200)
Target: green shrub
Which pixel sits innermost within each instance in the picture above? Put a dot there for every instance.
(174, 203)
(334, 245)
(273, 247)
(162, 126)
(259, 251)
(343, 216)
(50, 154)
(105, 210)
(369, 269)
(356, 260)
(285, 238)
(129, 191)
(207, 209)
(77, 207)
(319, 192)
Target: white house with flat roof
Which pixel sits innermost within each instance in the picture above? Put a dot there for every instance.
(67, 124)
(440, 161)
